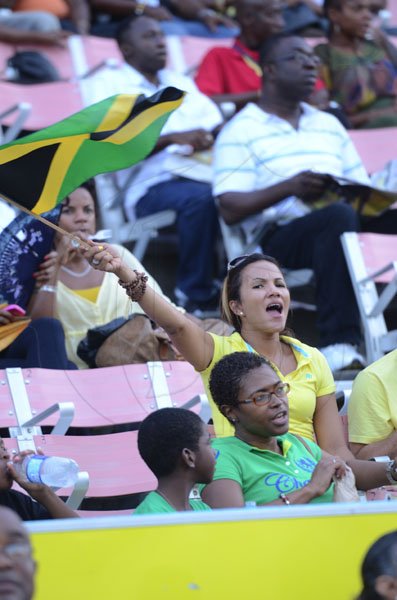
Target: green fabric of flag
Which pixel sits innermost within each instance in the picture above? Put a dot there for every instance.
(39, 170)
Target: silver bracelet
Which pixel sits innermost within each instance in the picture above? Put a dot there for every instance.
(51, 289)
(390, 470)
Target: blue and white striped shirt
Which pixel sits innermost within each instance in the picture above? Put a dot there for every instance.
(256, 150)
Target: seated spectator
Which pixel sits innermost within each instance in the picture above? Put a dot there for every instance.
(18, 567)
(359, 65)
(379, 569)
(175, 444)
(73, 14)
(255, 300)
(372, 410)
(202, 18)
(191, 128)
(29, 27)
(41, 344)
(233, 74)
(301, 15)
(177, 17)
(67, 286)
(271, 162)
(262, 462)
(41, 501)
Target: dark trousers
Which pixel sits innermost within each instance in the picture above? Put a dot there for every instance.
(197, 223)
(313, 241)
(42, 344)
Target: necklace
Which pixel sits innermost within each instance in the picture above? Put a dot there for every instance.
(169, 501)
(77, 273)
(280, 358)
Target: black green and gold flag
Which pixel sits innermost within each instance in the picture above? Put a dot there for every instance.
(39, 170)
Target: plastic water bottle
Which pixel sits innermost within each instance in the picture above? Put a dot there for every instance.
(53, 471)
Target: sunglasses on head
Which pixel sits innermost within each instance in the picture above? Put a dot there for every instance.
(235, 262)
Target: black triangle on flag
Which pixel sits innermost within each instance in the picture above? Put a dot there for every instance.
(35, 166)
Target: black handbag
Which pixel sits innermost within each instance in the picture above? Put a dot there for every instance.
(31, 67)
(89, 346)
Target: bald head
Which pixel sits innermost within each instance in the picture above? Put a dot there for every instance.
(17, 567)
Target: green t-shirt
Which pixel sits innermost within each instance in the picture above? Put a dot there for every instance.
(264, 475)
(154, 503)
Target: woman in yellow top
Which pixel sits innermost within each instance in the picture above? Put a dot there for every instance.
(69, 289)
(255, 301)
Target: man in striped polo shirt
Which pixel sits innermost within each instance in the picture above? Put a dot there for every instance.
(272, 160)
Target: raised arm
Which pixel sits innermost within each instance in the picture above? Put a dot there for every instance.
(43, 494)
(195, 345)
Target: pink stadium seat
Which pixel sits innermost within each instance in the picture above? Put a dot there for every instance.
(379, 250)
(97, 50)
(375, 146)
(7, 413)
(107, 396)
(50, 102)
(92, 514)
(57, 55)
(185, 53)
(372, 258)
(112, 461)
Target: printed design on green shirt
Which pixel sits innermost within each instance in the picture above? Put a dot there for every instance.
(285, 483)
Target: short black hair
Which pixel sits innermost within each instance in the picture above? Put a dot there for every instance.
(328, 4)
(266, 51)
(123, 30)
(381, 559)
(227, 374)
(164, 434)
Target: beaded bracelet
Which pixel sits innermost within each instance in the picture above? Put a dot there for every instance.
(135, 289)
(285, 499)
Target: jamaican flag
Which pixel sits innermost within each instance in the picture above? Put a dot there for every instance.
(39, 170)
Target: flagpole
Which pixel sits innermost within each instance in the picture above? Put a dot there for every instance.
(76, 241)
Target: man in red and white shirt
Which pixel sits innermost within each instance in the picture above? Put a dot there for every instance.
(233, 74)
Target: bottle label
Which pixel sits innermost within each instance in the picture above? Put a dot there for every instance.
(33, 468)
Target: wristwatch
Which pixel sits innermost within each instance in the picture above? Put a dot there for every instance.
(139, 9)
(391, 472)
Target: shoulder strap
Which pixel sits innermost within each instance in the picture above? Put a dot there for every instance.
(305, 444)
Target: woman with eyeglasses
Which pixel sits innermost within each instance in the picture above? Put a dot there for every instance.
(359, 64)
(255, 301)
(263, 463)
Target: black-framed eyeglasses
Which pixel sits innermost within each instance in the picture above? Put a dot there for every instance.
(280, 390)
(235, 262)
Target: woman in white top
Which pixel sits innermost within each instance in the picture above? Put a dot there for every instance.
(69, 289)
